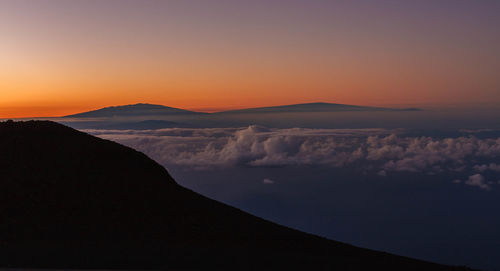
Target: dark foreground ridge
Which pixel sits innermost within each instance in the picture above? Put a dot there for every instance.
(71, 200)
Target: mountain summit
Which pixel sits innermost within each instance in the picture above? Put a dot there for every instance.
(134, 110)
(71, 200)
(315, 107)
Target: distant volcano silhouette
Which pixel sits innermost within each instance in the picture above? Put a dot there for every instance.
(314, 107)
(143, 110)
(71, 200)
(134, 110)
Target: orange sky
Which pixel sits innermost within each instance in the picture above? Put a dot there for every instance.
(63, 57)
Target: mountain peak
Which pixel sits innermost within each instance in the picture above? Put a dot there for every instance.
(315, 107)
(139, 109)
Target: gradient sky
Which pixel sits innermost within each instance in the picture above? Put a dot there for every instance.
(61, 57)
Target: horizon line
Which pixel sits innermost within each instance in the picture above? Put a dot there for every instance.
(207, 110)
(211, 110)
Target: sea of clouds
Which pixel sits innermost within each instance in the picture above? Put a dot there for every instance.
(371, 151)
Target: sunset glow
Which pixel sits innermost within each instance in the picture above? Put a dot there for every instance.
(63, 57)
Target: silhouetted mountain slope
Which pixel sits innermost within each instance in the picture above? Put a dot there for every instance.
(71, 200)
(314, 107)
(134, 110)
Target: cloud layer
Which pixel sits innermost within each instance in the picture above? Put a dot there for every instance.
(379, 150)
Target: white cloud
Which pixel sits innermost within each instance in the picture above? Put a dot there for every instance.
(494, 167)
(251, 146)
(379, 150)
(483, 168)
(480, 168)
(477, 180)
(382, 173)
(267, 181)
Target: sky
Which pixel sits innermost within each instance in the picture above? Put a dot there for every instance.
(61, 57)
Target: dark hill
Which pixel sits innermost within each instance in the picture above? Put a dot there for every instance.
(71, 200)
(134, 110)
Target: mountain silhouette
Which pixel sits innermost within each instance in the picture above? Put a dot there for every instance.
(132, 110)
(143, 110)
(71, 200)
(314, 107)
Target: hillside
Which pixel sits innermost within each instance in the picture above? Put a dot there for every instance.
(71, 200)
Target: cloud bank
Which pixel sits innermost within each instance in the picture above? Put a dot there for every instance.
(379, 150)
